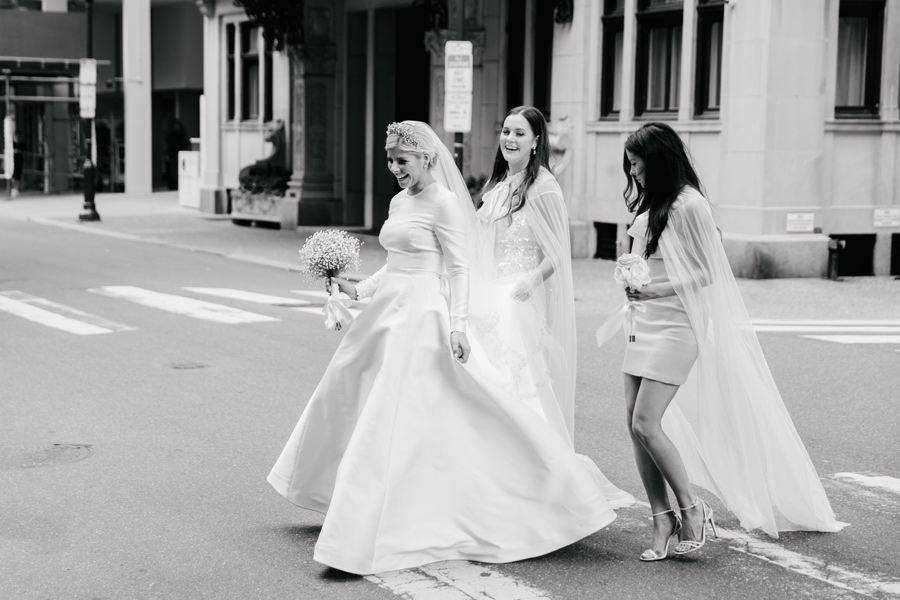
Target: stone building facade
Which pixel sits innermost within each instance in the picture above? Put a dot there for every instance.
(789, 108)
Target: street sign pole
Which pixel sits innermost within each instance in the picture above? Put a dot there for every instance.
(87, 92)
(458, 94)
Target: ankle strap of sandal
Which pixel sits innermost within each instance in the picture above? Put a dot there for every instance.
(662, 513)
(696, 502)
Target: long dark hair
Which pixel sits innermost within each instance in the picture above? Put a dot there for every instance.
(667, 170)
(540, 158)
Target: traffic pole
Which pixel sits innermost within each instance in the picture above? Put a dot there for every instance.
(89, 168)
(458, 150)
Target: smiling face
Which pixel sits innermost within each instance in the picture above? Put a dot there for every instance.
(638, 168)
(517, 140)
(409, 169)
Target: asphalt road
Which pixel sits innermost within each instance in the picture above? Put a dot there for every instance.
(185, 417)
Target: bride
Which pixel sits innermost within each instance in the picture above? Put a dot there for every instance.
(414, 453)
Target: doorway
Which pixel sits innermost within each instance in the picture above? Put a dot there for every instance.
(402, 91)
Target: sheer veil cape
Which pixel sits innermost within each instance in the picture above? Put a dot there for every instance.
(554, 299)
(446, 172)
(728, 421)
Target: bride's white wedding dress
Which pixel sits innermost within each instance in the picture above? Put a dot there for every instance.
(414, 457)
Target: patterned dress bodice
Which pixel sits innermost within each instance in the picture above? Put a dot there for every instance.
(516, 250)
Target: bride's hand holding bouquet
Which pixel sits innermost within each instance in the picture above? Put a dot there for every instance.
(325, 255)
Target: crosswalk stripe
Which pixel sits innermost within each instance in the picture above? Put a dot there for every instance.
(315, 294)
(455, 580)
(873, 481)
(35, 314)
(321, 297)
(825, 329)
(318, 310)
(814, 568)
(66, 311)
(249, 296)
(832, 322)
(182, 305)
(857, 339)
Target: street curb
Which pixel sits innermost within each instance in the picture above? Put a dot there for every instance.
(239, 256)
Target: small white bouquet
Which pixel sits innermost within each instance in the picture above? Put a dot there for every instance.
(632, 273)
(326, 254)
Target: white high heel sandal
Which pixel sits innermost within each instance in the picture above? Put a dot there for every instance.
(650, 555)
(688, 546)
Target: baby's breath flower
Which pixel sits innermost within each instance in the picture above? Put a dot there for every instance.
(329, 253)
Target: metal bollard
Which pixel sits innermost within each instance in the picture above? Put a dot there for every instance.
(834, 248)
(89, 206)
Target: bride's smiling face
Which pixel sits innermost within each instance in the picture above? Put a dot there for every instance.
(408, 168)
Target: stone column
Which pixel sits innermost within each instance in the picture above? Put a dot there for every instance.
(773, 136)
(137, 61)
(213, 196)
(310, 199)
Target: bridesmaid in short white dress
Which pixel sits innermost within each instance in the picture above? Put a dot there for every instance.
(665, 349)
(413, 456)
(703, 407)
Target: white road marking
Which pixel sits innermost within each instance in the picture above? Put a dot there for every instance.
(883, 482)
(856, 339)
(181, 305)
(253, 296)
(814, 568)
(28, 311)
(456, 580)
(825, 329)
(318, 310)
(315, 294)
(827, 323)
(67, 311)
(322, 296)
(866, 585)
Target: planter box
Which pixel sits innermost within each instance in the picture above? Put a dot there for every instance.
(287, 211)
(268, 208)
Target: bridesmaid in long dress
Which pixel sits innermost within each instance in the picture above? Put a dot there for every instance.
(727, 429)
(413, 455)
(523, 301)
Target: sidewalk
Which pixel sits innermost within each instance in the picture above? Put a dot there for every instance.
(158, 219)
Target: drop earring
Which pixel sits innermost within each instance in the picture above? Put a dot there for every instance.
(533, 150)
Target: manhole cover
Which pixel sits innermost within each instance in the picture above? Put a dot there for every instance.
(26, 457)
(188, 365)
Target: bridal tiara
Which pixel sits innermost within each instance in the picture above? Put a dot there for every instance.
(405, 133)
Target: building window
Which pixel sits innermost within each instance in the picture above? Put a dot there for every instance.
(658, 76)
(229, 40)
(613, 34)
(708, 91)
(267, 79)
(248, 76)
(249, 72)
(860, 30)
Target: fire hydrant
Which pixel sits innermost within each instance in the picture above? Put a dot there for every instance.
(834, 248)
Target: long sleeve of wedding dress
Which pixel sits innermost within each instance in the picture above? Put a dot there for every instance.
(450, 229)
(366, 288)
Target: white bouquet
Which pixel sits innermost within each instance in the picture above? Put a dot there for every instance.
(327, 254)
(632, 273)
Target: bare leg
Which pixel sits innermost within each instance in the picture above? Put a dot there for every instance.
(651, 401)
(652, 478)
